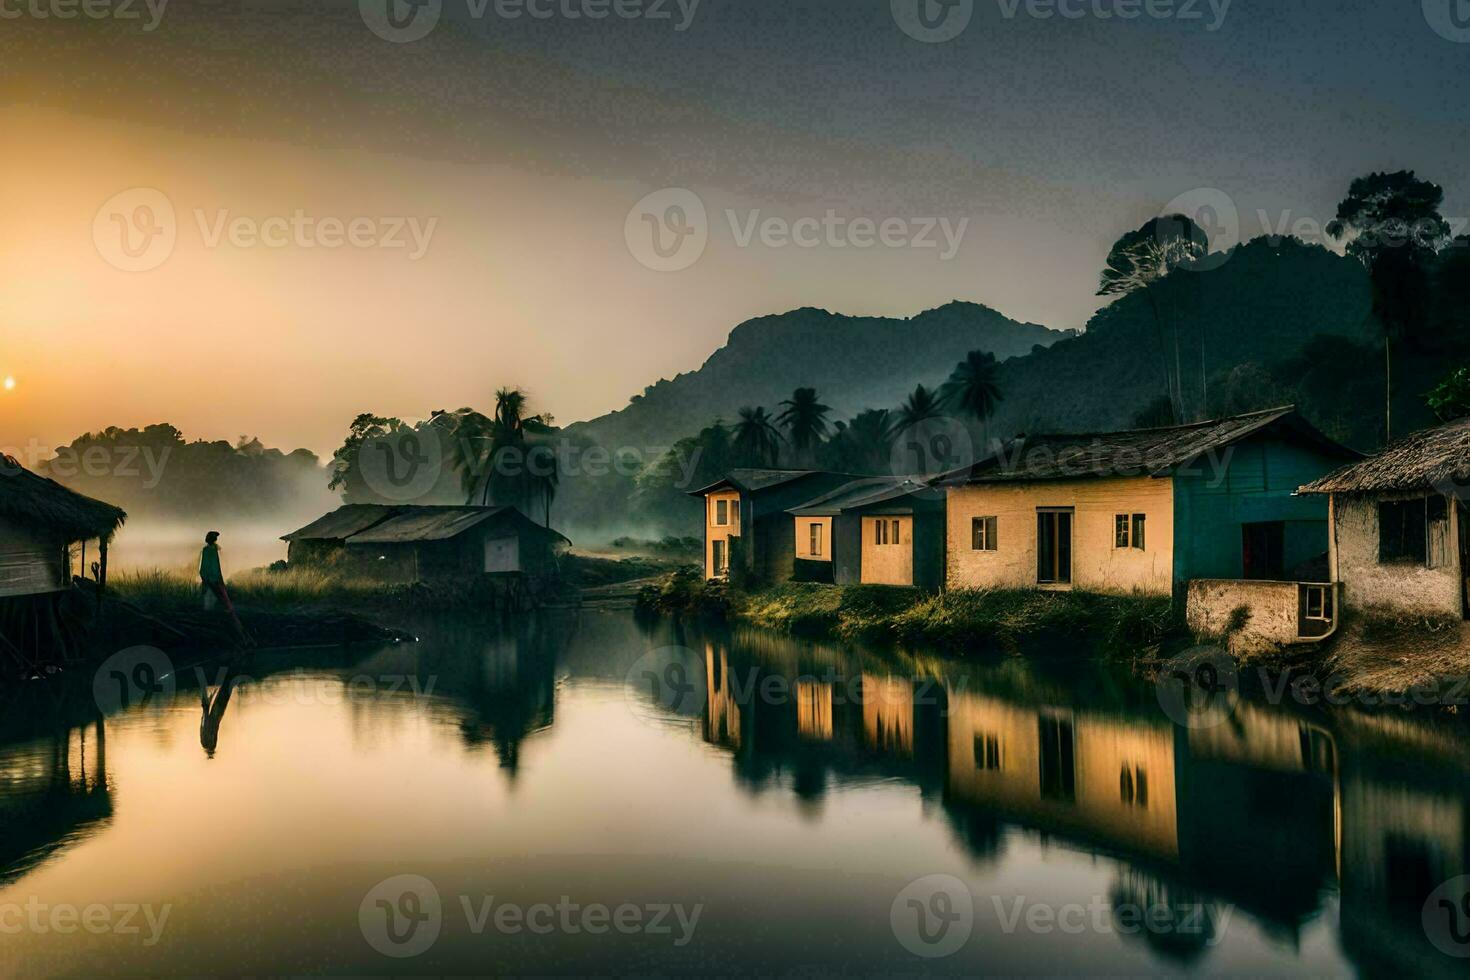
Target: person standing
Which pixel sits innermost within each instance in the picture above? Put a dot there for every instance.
(212, 578)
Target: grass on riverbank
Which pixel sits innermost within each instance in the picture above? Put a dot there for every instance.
(1010, 620)
(172, 588)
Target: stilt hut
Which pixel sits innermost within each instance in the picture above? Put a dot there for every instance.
(40, 522)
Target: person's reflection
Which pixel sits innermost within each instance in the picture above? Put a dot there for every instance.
(213, 708)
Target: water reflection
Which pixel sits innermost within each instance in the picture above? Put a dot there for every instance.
(1287, 828)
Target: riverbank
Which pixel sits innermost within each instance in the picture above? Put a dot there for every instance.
(1002, 620)
(1372, 663)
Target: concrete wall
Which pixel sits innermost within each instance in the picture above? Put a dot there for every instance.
(1402, 586)
(804, 527)
(888, 564)
(1274, 608)
(719, 532)
(1096, 564)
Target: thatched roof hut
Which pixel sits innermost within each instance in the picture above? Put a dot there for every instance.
(1431, 459)
(41, 504)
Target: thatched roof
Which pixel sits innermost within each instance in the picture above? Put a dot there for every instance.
(1136, 452)
(32, 499)
(1431, 459)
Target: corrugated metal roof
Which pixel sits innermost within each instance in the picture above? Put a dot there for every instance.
(1136, 452)
(428, 524)
(343, 522)
(753, 480)
(860, 493)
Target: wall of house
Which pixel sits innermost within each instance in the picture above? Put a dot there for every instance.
(804, 527)
(31, 561)
(1096, 564)
(1274, 608)
(1403, 586)
(888, 564)
(1251, 482)
(719, 532)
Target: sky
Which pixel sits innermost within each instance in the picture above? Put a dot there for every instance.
(267, 217)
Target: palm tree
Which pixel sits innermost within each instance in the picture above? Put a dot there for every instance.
(920, 406)
(973, 387)
(805, 420)
(756, 437)
(870, 436)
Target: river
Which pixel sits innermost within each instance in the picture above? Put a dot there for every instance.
(585, 793)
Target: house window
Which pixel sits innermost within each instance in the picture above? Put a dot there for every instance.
(982, 533)
(885, 532)
(1319, 603)
(1402, 531)
(895, 533)
(987, 753)
(720, 558)
(1128, 531)
(815, 543)
(1133, 786)
(722, 513)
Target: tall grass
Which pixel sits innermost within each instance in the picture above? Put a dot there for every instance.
(175, 587)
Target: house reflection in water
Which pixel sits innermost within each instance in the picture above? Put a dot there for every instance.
(888, 714)
(53, 793)
(814, 710)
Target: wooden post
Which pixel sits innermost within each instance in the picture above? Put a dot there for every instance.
(101, 571)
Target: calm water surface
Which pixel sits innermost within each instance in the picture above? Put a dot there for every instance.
(735, 802)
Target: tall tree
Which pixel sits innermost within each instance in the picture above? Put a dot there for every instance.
(921, 405)
(973, 387)
(756, 438)
(1137, 263)
(805, 419)
(1392, 225)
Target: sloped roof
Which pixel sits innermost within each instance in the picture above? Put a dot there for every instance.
(33, 499)
(343, 522)
(1437, 458)
(753, 480)
(439, 524)
(860, 493)
(1136, 452)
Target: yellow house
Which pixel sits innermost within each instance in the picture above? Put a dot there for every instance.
(873, 531)
(746, 526)
(1141, 511)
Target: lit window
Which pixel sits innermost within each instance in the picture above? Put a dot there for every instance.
(815, 544)
(1128, 531)
(722, 512)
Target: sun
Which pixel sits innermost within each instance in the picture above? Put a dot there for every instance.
(8, 383)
